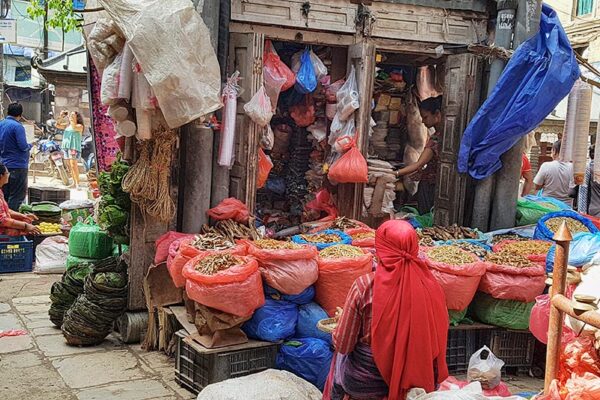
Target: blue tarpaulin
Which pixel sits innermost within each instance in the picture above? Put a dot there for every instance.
(538, 76)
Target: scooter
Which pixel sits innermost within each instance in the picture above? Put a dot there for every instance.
(87, 152)
(51, 149)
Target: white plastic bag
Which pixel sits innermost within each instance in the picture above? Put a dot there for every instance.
(486, 371)
(51, 255)
(320, 68)
(109, 88)
(340, 128)
(259, 108)
(267, 139)
(318, 130)
(227, 144)
(348, 97)
(273, 85)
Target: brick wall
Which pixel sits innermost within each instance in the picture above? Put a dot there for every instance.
(72, 98)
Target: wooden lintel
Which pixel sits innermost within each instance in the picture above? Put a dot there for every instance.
(294, 34)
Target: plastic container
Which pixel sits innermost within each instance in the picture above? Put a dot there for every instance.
(38, 194)
(16, 254)
(462, 343)
(197, 367)
(515, 348)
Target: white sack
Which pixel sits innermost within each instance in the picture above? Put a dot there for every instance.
(171, 43)
(51, 255)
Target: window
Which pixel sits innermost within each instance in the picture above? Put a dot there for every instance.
(585, 7)
(22, 74)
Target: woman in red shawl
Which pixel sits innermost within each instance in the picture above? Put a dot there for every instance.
(392, 334)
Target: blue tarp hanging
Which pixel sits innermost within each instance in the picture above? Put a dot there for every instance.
(538, 76)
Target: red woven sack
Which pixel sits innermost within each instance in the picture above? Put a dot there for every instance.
(350, 168)
(230, 208)
(505, 282)
(277, 68)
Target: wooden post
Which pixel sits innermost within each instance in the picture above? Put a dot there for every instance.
(559, 282)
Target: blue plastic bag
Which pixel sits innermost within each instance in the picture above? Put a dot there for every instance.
(306, 79)
(303, 298)
(543, 233)
(345, 239)
(274, 321)
(581, 250)
(309, 358)
(538, 76)
(309, 316)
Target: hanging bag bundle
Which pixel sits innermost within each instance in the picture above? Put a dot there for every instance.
(306, 80)
(277, 68)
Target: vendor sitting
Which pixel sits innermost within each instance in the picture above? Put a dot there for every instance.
(13, 223)
(393, 330)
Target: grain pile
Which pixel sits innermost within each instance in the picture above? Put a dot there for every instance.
(444, 233)
(321, 238)
(499, 238)
(526, 248)
(449, 255)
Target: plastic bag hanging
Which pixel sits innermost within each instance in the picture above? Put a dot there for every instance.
(350, 168)
(582, 131)
(306, 80)
(227, 144)
(264, 168)
(277, 68)
(320, 68)
(348, 96)
(259, 108)
(273, 85)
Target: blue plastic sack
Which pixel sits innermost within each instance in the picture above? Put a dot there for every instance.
(309, 358)
(274, 321)
(303, 298)
(538, 76)
(309, 316)
(543, 233)
(346, 239)
(582, 250)
(306, 79)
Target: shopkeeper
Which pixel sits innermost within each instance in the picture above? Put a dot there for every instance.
(425, 169)
(393, 330)
(13, 223)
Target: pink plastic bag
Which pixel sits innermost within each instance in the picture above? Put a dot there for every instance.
(164, 242)
(454, 384)
(277, 68)
(505, 282)
(539, 320)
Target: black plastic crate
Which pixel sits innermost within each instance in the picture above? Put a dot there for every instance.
(197, 367)
(463, 341)
(515, 348)
(16, 254)
(38, 194)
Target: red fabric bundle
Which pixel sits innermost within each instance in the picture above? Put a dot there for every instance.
(230, 208)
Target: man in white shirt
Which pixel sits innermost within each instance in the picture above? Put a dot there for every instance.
(556, 177)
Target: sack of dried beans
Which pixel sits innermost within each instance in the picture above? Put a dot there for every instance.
(339, 266)
(549, 224)
(534, 250)
(457, 271)
(286, 266)
(511, 276)
(226, 282)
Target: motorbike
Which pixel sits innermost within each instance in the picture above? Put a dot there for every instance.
(87, 152)
(51, 153)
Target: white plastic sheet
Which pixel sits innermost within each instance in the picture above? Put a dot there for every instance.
(472, 391)
(172, 45)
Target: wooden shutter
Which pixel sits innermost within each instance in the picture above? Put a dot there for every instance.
(245, 56)
(461, 98)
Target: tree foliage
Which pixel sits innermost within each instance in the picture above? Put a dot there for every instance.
(60, 14)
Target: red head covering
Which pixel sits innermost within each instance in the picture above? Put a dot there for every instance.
(410, 319)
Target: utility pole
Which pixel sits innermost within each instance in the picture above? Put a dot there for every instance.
(46, 96)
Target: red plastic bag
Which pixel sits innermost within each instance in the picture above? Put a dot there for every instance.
(277, 68)
(264, 168)
(289, 271)
(336, 277)
(366, 242)
(303, 113)
(459, 282)
(350, 168)
(539, 320)
(454, 384)
(323, 202)
(539, 258)
(230, 208)
(505, 282)
(164, 242)
(237, 290)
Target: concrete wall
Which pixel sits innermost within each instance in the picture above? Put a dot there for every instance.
(72, 98)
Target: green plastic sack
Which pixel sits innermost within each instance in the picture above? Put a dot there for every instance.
(510, 314)
(89, 241)
(73, 261)
(459, 317)
(425, 220)
(529, 212)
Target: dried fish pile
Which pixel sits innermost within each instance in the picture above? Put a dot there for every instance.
(218, 262)
(232, 230)
(271, 244)
(212, 241)
(321, 238)
(363, 235)
(343, 223)
(507, 258)
(425, 240)
(452, 232)
(450, 255)
(574, 226)
(472, 248)
(341, 251)
(528, 248)
(498, 238)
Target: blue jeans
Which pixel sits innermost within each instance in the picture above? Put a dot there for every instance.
(16, 188)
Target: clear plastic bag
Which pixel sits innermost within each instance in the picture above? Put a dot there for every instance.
(109, 88)
(227, 144)
(277, 68)
(487, 371)
(318, 130)
(348, 97)
(339, 128)
(267, 139)
(319, 67)
(259, 108)
(273, 85)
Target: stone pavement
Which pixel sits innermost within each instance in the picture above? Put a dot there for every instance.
(40, 366)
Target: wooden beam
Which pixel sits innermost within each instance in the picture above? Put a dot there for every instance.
(293, 34)
(592, 318)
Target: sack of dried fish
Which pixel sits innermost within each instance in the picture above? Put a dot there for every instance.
(549, 224)
(362, 237)
(323, 239)
(534, 250)
(336, 276)
(340, 223)
(458, 272)
(453, 232)
(226, 282)
(507, 236)
(286, 266)
(512, 277)
(479, 249)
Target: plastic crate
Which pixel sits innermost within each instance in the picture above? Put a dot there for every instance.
(463, 341)
(16, 254)
(197, 367)
(515, 348)
(38, 194)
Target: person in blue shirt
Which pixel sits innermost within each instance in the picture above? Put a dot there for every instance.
(14, 154)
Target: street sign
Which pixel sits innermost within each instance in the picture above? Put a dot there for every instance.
(8, 31)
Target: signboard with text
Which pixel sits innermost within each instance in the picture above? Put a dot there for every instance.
(8, 31)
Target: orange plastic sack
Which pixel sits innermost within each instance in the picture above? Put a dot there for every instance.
(288, 271)
(264, 168)
(163, 244)
(505, 282)
(350, 168)
(336, 277)
(459, 282)
(230, 208)
(277, 68)
(365, 243)
(539, 258)
(237, 290)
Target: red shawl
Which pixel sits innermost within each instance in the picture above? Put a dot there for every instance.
(410, 319)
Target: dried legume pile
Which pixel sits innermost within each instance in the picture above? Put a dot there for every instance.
(574, 226)
(450, 255)
(528, 248)
(321, 238)
(510, 259)
(499, 238)
(219, 262)
(271, 244)
(341, 251)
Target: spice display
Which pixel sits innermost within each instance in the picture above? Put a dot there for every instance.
(574, 226)
(526, 248)
(363, 235)
(321, 238)
(210, 265)
(341, 251)
(270, 244)
(212, 241)
(472, 248)
(499, 238)
(232, 230)
(343, 223)
(508, 258)
(449, 233)
(450, 255)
